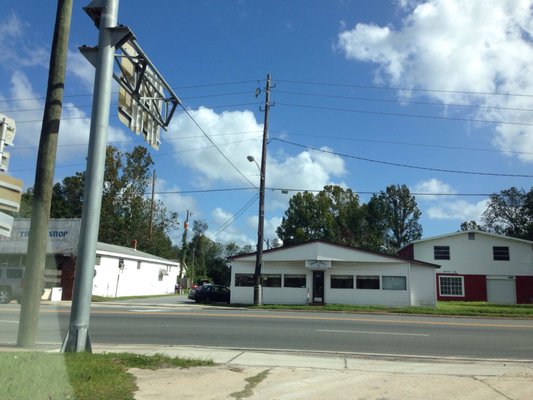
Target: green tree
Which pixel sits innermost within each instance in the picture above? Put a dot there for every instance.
(333, 214)
(510, 213)
(402, 216)
(126, 211)
(470, 226)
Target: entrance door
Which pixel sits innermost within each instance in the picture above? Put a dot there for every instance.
(318, 286)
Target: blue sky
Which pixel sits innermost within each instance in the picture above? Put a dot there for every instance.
(435, 95)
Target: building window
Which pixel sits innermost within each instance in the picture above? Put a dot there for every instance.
(441, 252)
(270, 280)
(500, 253)
(451, 286)
(471, 236)
(394, 282)
(98, 260)
(367, 282)
(244, 280)
(298, 281)
(342, 281)
(138, 265)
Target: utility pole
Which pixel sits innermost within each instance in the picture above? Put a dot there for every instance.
(104, 13)
(261, 223)
(44, 179)
(152, 209)
(183, 249)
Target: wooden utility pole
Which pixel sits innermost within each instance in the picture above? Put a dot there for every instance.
(260, 226)
(152, 205)
(44, 179)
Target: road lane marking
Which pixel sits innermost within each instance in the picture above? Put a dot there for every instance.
(4, 321)
(373, 333)
(313, 317)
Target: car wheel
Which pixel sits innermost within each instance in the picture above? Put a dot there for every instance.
(5, 295)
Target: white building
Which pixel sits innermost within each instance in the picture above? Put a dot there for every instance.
(123, 271)
(478, 266)
(120, 271)
(320, 272)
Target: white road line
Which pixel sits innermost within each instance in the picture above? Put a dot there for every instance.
(3, 321)
(149, 310)
(374, 333)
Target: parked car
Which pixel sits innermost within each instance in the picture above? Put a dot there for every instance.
(11, 284)
(210, 294)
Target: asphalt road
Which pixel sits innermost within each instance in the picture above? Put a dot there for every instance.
(189, 324)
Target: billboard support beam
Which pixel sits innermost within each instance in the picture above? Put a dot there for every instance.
(77, 338)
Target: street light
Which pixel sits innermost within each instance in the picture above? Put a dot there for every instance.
(260, 227)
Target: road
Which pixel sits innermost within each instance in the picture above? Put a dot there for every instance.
(190, 324)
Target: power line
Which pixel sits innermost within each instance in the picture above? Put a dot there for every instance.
(284, 189)
(329, 137)
(234, 217)
(350, 85)
(403, 165)
(395, 101)
(390, 114)
(216, 147)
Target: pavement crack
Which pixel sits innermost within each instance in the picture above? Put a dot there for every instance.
(234, 358)
(492, 387)
(253, 381)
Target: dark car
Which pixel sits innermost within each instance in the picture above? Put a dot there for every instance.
(210, 294)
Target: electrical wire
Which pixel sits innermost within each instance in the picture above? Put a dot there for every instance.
(402, 165)
(330, 137)
(350, 85)
(396, 101)
(234, 217)
(216, 147)
(390, 114)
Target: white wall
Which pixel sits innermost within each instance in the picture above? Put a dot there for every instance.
(280, 295)
(423, 286)
(112, 281)
(366, 296)
(476, 256)
(421, 282)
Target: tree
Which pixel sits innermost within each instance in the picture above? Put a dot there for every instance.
(402, 216)
(471, 226)
(125, 212)
(333, 214)
(510, 213)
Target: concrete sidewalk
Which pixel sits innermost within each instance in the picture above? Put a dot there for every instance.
(254, 374)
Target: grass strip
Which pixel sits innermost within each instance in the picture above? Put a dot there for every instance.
(253, 381)
(80, 376)
(451, 308)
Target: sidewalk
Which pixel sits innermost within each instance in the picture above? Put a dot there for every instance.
(268, 375)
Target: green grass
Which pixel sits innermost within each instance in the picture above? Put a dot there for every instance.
(80, 376)
(454, 308)
(99, 299)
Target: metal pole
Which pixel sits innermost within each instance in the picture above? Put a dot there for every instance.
(77, 338)
(260, 228)
(44, 180)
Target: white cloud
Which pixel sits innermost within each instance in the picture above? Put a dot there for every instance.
(460, 210)
(238, 135)
(433, 186)
(224, 231)
(458, 46)
(74, 129)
